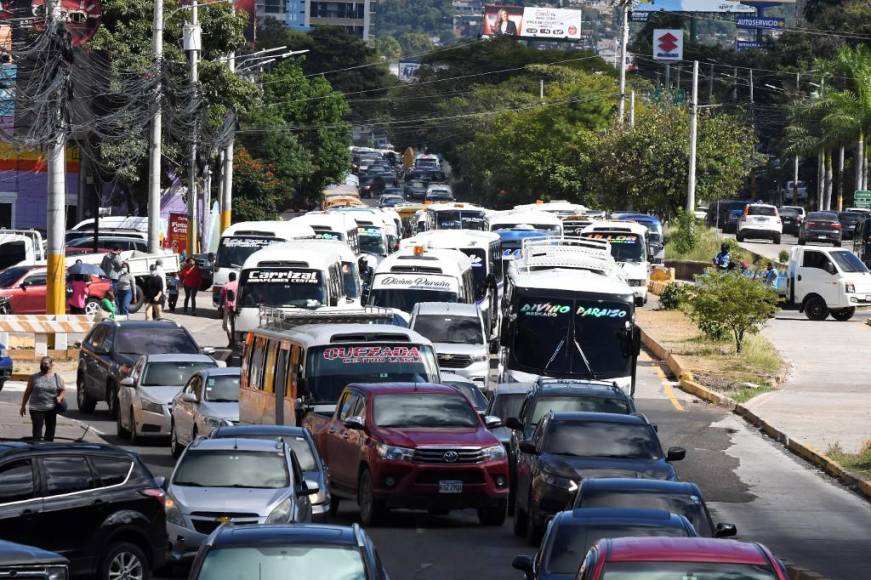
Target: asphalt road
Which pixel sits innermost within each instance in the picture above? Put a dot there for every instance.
(771, 250)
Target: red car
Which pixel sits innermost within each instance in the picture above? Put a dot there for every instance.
(631, 558)
(25, 287)
(412, 446)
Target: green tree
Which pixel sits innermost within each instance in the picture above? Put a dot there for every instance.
(415, 43)
(257, 193)
(731, 301)
(387, 47)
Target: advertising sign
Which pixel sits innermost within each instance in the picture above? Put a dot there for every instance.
(532, 22)
(408, 70)
(177, 234)
(862, 199)
(705, 6)
(748, 44)
(668, 44)
(760, 22)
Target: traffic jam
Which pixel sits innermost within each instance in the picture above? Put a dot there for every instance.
(414, 353)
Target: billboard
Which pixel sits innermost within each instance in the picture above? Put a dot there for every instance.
(532, 22)
(761, 22)
(707, 6)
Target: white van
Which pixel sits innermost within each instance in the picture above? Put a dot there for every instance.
(331, 226)
(242, 239)
(539, 220)
(822, 281)
(629, 246)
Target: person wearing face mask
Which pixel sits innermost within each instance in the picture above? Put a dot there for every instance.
(124, 290)
(44, 396)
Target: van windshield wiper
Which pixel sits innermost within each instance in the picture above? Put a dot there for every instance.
(555, 352)
(584, 358)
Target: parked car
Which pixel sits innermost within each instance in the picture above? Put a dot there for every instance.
(111, 348)
(759, 220)
(849, 220)
(145, 396)
(243, 481)
(289, 551)
(678, 497)
(630, 558)
(791, 216)
(97, 506)
(413, 445)
(300, 440)
(466, 386)
(26, 562)
(459, 336)
(571, 534)
(820, 226)
(209, 400)
(568, 447)
(25, 289)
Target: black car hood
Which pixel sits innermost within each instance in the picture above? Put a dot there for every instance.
(606, 467)
(12, 554)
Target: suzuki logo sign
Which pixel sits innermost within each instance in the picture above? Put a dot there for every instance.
(668, 44)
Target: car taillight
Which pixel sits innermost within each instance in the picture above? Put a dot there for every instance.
(156, 493)
(836, 226)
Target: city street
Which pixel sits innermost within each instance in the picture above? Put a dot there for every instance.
(773, 497)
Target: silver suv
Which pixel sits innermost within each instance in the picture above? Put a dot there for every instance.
(244, 481)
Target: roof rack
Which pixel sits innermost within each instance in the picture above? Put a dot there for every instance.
(288, 318)
(575, 254)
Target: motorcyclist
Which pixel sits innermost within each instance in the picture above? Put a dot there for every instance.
(723, 260)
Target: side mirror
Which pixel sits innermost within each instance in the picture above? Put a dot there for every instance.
(209, 350)
(160, 482)
(189, 398)
(492, 422)
(355, 423)
(527, 446)
(128, 382)
(725, 530)
(675, 453)
(308, 489)
(523, 563)
(514, 424)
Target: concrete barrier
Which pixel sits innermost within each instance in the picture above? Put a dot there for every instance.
(61, 330)
(687, 269)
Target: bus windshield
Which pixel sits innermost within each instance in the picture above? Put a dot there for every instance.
(460, 220)
(625, 247)
(329, 369)
(372, 241)
(579, 338)
(282, 287)
(233, 251)
(403, 291)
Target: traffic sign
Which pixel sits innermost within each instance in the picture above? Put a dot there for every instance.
(862, 199)
(668, 44)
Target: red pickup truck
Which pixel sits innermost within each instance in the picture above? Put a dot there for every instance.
(412, 445)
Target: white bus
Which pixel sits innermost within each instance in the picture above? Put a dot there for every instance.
(331, 226)
(456, 216)
(629, 245)
(558, 207)
(242, 239)
(539, 220)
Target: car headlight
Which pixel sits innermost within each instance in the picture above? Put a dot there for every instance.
(216, 422)
(152, 406)
(57, 572)
(281, 513)
(391, 453)
(479, 357)
(559, 481)
(494, 453)
(850, 288)
(173, 514)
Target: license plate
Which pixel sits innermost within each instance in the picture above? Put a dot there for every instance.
(450, 486)
(821, 237)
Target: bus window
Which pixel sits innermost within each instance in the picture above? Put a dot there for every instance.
(295, 360)
(281, 370)
(255, 376)
(269, 375)
(246, 362)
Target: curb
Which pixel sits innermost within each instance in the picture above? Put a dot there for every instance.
(806, 452)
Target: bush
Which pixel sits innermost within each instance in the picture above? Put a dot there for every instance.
(673, 295)
(783, 257)
(725, 302)
(684, 237)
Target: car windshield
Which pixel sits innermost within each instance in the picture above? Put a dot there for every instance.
(10, 276)
(418, 410)
(571, 543)
(761, 210)
(222, 389)
(282, 287)
(171, 374)
(281, 562)
(789, 211)
(602, 439)
(472, 392)
(233, 251)
(460, 220)
(822, 216)
(146, 340)
(232, 468)
(505, 406)
(330, 368)
(405, 299)
(577, 403)
(687, 570)
(450, 329)
(689, 506)
(848, 261)
(625, 247)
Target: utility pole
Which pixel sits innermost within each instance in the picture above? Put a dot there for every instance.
(154, 149)
(624, 40)
(694, 121)
(227, 168)
(632, 109)
(668, 75)
(711, 85)
(735, 87)
(541, 90)
(751, 87)
(795, 159)
(192, 45)
(55, 296)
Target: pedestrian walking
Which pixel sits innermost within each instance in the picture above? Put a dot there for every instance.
(78, 293)
(44, 397)
(228, 299)
(108, 306)
(111, 265)
(191, 280)
(125, 291)
(153, 294)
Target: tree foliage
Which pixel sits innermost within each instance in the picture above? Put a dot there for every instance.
(257, 191)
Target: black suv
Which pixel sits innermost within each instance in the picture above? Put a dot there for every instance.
(110, 350)
(568, 447)
(96, 505)
(291, 550)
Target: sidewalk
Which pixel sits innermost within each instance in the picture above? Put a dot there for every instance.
(13, 426)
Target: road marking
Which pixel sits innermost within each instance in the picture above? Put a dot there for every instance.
(666, 387)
